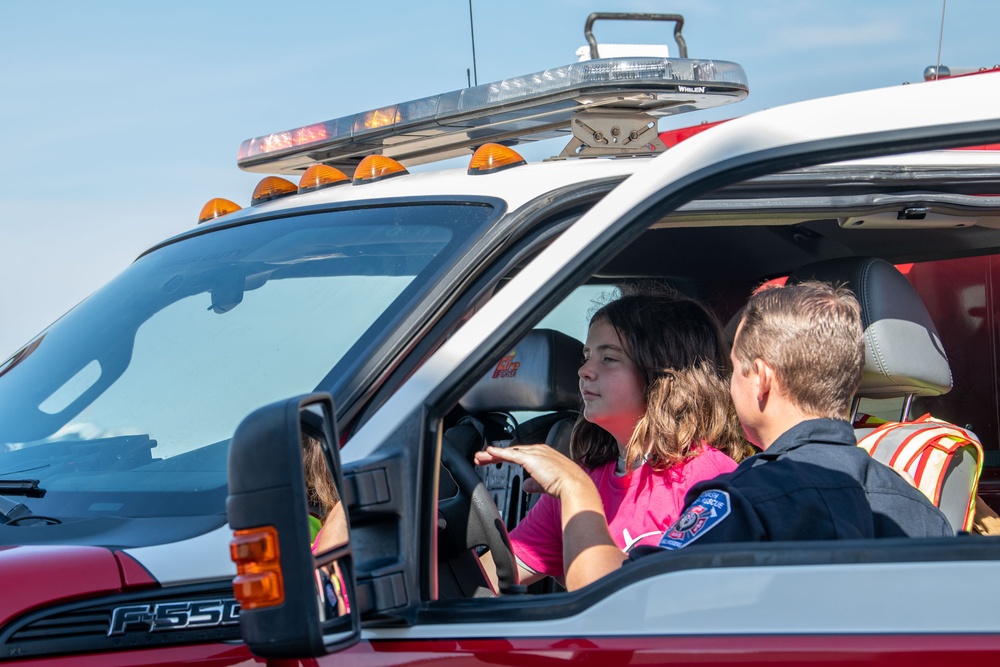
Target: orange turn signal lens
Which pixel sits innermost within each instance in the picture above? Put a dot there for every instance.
(259, 589)
(258, 581)
(489, 158)
(216, 208)
(376, 167)
(254, 545)
(272, 187)
(321, 176)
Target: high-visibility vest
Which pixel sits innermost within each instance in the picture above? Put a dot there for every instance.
(924, 449)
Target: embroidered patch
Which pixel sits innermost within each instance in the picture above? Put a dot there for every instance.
(701, 516)
(507, 367)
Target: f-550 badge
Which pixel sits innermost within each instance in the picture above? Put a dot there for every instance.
(175, 615)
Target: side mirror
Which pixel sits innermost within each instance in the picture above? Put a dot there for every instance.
(284, 484)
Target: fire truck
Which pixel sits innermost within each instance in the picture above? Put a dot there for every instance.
(371, 303)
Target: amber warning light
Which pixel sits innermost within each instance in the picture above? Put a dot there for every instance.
(258, 581)
(376, 168)
(216, 208)
(321, 176)
(490, 158)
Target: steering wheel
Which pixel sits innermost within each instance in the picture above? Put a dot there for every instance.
(472, 518)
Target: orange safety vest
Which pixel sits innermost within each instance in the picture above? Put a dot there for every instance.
(924, 448)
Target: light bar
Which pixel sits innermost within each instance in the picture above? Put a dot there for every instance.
(517, 110)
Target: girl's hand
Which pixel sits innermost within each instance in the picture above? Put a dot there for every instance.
(589, 552)
(550, 471)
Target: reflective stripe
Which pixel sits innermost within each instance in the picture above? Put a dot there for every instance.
(925, 452)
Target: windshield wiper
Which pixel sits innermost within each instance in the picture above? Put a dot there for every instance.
(21, 487)
(12, 511)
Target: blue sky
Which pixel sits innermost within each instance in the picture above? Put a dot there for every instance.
(121, 119)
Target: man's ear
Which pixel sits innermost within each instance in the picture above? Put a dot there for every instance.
(764, 380)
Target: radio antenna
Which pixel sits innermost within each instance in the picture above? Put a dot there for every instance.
(472, 31)
(937, 70)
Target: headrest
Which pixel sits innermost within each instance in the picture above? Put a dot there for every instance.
(903, 352)
(540, 374)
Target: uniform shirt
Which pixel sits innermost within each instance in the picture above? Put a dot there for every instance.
(639, 507)
(812, 483)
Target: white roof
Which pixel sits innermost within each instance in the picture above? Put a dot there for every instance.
(515, 186)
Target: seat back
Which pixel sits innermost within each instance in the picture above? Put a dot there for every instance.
(538, 375)
(904, 357)
(943, 460)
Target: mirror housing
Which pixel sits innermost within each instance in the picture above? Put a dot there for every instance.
(289, 598)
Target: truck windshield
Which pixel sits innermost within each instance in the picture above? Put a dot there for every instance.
(125, 406)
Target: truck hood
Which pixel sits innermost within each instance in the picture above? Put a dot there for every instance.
(35, 576)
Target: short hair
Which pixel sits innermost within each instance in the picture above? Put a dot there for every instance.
(811, 334)
(679, 347)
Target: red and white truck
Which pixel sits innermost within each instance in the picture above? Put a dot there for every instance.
(394, 293)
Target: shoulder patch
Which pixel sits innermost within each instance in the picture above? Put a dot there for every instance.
(701, 516)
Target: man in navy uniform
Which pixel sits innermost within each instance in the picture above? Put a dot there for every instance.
(797, 361)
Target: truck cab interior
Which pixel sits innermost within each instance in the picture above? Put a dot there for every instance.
(922, 255)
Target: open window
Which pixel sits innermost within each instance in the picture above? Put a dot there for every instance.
(525, 396)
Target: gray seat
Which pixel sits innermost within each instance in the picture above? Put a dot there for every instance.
(538, 375)
(904, 358)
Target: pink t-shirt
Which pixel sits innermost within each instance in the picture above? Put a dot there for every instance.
(639, 508)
